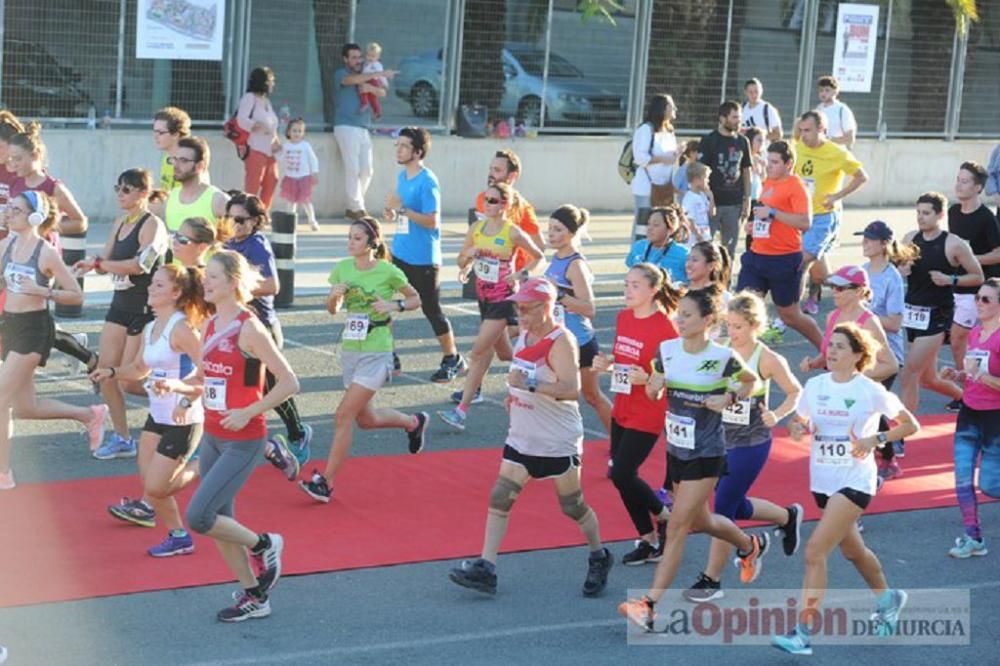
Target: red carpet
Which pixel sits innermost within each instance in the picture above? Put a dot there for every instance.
(61, 544)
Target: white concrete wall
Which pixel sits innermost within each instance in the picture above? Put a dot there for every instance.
(557, 170)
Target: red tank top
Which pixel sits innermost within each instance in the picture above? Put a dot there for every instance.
(232, 380)
(637, 342)
(832, 322)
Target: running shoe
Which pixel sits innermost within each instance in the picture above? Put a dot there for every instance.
(966, 547)
(772, 337)
(455, 418)
(268, 562)
(899, 449)
(300, 447)
(639, 612)
(954, 406)
(7, 480)
(247, 607)
(95, 429)
(751, 564)
(642, 553)
(418, 436)
(456, 397)
(173, 545)
(661, 533)
(598, 566)
(317, 488)
(889, 469)
(796, 642)
(117, 446)
(666, 498)
(451, 367)
(397, 365)
(811, 306)
(77, 367)
(886, 615)
(704, 589)
(281, 457)
(791, 531)
(132, 511)
(477, 574)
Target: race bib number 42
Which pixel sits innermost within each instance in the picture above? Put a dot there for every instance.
(737, 413)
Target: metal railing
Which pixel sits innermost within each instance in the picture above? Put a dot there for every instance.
(534, 61)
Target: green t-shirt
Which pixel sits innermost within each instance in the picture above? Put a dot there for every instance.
(364, 288)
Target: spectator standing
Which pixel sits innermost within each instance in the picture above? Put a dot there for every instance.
(170, 125)
(760, 114)
(256, 115)
(841, 126)
(727, 153)
(654, 150)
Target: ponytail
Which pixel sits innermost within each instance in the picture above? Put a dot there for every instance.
(189, 281)
(722, 264)
(665, 292)
(898, 253)
(376, 242)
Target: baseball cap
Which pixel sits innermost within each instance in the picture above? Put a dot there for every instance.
(849, 276)
(536, 289)
(877, 230)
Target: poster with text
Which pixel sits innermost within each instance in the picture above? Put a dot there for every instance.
(179, 29)
(854, 50)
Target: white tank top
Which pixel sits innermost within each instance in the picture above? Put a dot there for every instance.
(165, 363)
(540, 425)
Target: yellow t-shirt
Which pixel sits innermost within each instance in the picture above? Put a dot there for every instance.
(167, 181)
(822, 169)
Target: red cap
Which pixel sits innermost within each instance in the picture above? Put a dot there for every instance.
(536, 289)
(849, 276)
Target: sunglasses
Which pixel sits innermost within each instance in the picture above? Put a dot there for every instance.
(125, 189)
(839, 288)
(181, 239)
(241, 219)
(493, 200)
(985, 300)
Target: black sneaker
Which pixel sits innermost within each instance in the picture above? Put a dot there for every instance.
(450, 368)
(704, 589)
(475, 575)
(247, 607)
(661, 533)
(269, 562)
(598, 566)
(791, 532)
(397, 365)
(642, 553)
(418, 436)
(954, 406)
(316, 488)
(133, 511)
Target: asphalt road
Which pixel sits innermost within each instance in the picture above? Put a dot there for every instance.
(412, 613)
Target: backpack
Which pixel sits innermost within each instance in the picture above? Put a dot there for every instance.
(240, 137)
(627, 167)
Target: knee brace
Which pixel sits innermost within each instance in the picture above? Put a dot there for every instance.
(573, 505)
(503, 494)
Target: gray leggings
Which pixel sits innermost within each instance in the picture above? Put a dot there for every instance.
(225, 466)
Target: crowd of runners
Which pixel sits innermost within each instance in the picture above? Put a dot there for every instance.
(192, 326)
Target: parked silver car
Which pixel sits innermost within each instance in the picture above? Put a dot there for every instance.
(570, 99)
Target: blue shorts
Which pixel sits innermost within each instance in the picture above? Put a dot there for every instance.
(822, 235)
(779, 274)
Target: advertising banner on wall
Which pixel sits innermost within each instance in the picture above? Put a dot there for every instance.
(854, 50)
(179, 29)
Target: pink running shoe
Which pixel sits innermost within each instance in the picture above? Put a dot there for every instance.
(811, 306)
(95, 429)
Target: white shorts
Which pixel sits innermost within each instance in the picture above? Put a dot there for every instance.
(965, 310)
(369, 369)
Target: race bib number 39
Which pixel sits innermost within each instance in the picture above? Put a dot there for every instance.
(916, 317)
(832, 451)
(487, 269)
(680, 431)
(620, 382)
(356, 327)
(215, 394)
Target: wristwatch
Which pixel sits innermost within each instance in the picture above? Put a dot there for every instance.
(771, 213)
(402, 210)
(184, 402)
(401, 305)
(882, 439)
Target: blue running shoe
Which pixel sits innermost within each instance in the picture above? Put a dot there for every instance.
(455, 418)
(173, 545)
(886, 615)
(456, 397)
(797, 642)
(116, 446)
(966, 547)
(300, 447)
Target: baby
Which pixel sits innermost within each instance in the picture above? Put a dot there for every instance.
(373, 64)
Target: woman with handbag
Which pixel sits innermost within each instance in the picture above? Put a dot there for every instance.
(654, 151)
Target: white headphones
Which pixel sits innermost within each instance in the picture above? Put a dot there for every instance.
(39, 205)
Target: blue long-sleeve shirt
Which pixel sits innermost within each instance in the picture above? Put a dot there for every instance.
(993, 180)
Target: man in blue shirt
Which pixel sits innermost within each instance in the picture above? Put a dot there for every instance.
(415, 210)
(350, 127)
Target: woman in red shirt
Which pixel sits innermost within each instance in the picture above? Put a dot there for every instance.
(636, 419)
(236, 347)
